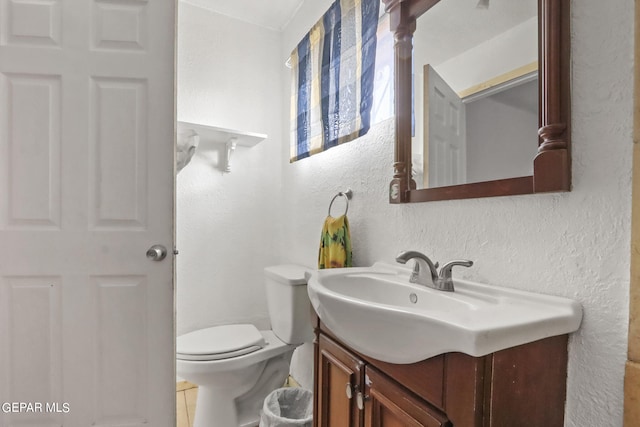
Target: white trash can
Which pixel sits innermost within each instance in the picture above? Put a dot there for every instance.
(287, 407)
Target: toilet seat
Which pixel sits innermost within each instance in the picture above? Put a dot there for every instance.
(219, 342)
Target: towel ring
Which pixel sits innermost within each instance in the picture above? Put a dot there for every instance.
(347, 195)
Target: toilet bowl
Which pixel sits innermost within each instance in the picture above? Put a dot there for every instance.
(237, 366)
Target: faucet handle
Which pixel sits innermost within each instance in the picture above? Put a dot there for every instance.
(445, 271)
(445, 282)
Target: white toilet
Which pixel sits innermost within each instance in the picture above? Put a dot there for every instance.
(237, 366)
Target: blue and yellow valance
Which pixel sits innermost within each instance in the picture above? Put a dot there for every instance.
(333, 73)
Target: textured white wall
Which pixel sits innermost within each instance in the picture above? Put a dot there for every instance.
(574, 244)
(229, 75)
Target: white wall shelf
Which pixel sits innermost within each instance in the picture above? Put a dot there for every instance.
(217, 135)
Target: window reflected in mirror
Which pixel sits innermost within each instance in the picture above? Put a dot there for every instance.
(383, 91)
(475, 92)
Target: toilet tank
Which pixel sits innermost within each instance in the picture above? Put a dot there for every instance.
(288, 302)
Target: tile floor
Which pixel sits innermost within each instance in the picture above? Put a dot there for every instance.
(186, 394)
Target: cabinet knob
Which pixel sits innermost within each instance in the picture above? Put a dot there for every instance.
(361, 398)
(349, 391)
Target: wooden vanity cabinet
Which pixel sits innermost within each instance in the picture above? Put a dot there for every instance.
(516, 387)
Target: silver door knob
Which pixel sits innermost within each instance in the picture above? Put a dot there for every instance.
(157, 253)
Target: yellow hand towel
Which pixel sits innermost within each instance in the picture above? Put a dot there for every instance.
(335, 243)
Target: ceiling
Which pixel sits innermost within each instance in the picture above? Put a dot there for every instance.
(273, 14)
(454, 26)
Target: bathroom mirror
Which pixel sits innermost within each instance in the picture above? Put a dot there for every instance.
(500, 71)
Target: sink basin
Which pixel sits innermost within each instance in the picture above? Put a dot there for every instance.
(377, 312)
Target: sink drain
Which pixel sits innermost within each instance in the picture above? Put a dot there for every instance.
(413, 298)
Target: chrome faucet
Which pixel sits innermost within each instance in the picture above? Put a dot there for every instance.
(425, 272)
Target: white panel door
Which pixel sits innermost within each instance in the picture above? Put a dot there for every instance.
(445, 135)
(86, 187)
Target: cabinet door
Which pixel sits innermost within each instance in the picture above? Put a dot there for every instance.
(340, 378)
(389, 405)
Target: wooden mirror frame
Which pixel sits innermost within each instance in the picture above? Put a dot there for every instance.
(552, 163)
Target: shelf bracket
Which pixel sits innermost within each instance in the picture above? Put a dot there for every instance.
(231, 146)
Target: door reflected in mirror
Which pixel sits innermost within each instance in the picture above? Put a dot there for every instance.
(475, 92)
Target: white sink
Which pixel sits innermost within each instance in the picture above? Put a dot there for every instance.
(372, 310)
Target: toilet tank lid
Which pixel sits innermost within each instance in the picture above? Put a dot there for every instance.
(219, 339)
(289, 274)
